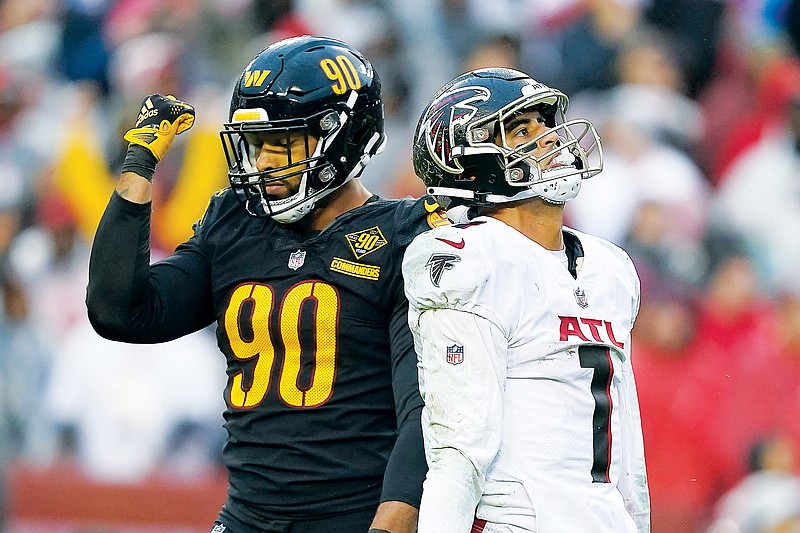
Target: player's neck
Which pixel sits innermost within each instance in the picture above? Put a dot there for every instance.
(349, 196)
(539, 221)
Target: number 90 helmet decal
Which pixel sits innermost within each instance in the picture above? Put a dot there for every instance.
(306, 87)
(462, 155)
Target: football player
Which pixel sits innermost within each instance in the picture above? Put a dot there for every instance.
(522, 325)
(299, 265)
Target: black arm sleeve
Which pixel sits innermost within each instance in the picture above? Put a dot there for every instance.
(127, 299)
(406, 469)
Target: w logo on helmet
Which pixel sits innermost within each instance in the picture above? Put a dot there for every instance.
(452, 108)
(255, 77)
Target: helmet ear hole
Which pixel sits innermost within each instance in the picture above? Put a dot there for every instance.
(360, 134)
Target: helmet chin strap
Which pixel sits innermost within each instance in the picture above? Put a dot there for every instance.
(559, 190)
(295, 213)
(560, 184)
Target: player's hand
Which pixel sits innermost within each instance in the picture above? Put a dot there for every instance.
(160, 119)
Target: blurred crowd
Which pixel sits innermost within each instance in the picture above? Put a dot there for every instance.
(698, 106)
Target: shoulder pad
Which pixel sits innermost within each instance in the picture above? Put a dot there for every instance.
(222, 200)
(448, 267)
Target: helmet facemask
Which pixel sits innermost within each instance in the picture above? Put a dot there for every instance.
(463, 155)
(555, 175)
(242, 140)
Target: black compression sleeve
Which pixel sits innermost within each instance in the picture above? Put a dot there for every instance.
(118, 266)
(127, 299)
(406, 469)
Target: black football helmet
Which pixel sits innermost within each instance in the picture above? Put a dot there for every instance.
(306, 85)
(460, 151)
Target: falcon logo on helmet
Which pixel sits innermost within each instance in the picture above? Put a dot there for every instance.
(462, 154)
(437, 126)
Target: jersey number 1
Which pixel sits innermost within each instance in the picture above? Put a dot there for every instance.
(598, 358)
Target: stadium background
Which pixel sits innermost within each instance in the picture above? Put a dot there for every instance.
(697, 104)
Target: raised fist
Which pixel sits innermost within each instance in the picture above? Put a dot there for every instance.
(160, 119)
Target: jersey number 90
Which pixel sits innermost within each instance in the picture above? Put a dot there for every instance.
(247, 321)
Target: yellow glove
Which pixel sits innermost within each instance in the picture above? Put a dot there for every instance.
(160, 119)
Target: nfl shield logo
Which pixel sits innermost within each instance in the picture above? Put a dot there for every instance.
(580, 297)
(455, 354)
(296, 259)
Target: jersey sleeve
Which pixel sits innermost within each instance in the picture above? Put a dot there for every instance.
(637, 296)
(462, 374)
(128, 299)
(633, 481)
(442, 271)
(461, 348)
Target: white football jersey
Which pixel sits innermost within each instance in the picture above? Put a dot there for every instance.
(531, 419)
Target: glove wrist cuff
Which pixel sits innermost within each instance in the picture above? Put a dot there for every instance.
(141, 161)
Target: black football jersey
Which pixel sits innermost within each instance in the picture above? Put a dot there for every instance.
(320, 362)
